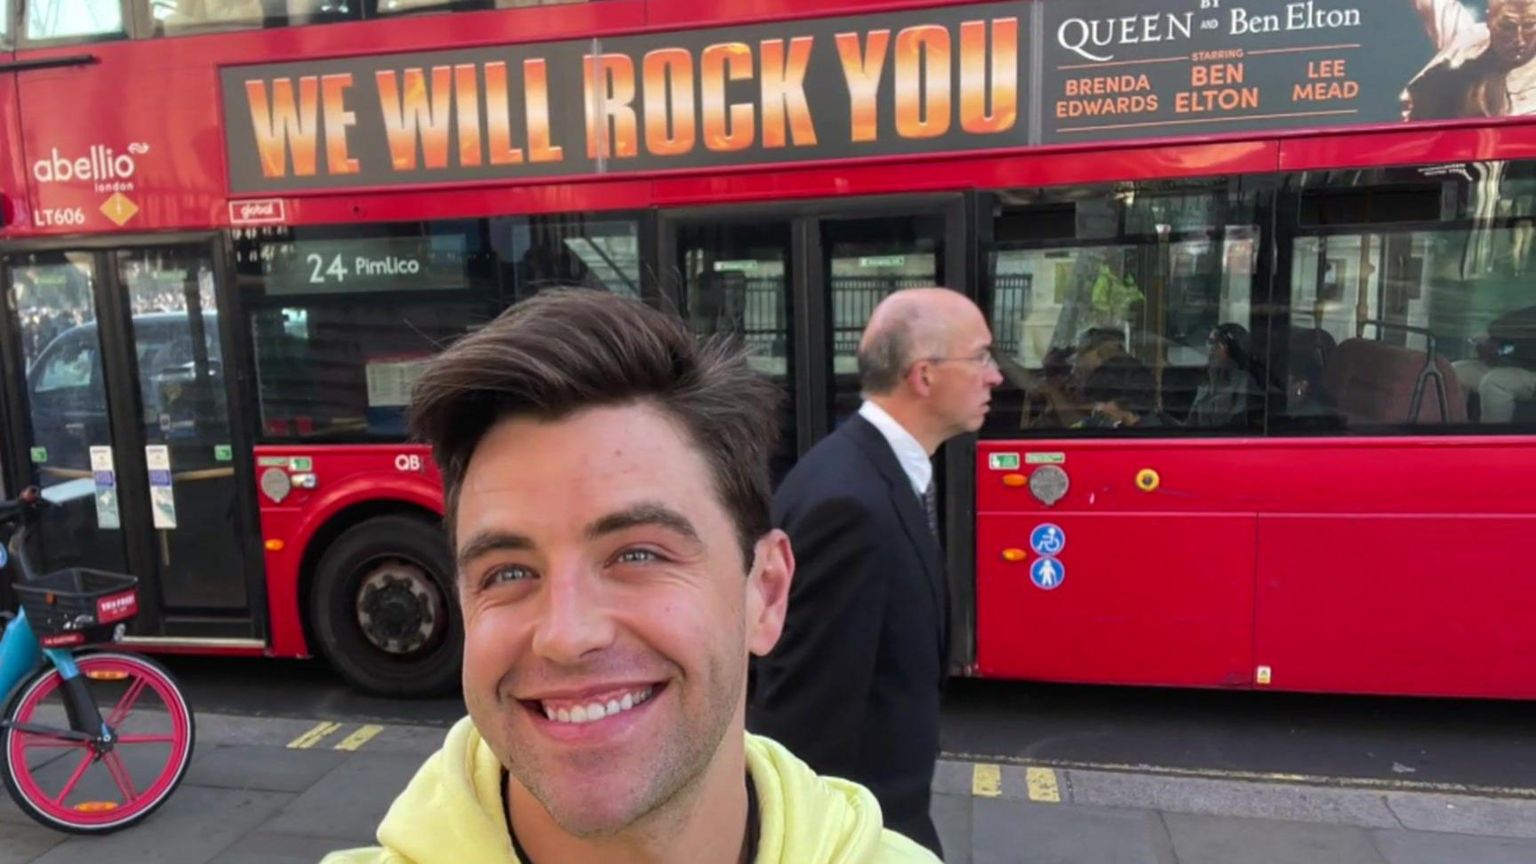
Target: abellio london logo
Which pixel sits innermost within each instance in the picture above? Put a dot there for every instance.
(102, 165)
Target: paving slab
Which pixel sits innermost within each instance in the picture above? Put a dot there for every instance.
(21, 842)
(262, 847)
(1425, 847)
(1461, 814)
(1218, 840)
(952, 815)
(270, 769)
(1276, 801)
(348, 801)
(194, 826)
(1008, 832)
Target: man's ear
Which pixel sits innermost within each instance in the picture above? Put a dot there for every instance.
(773, 570)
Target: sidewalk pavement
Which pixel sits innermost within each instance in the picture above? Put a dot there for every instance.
(272, 791)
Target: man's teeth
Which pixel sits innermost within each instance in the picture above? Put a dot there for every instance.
(595, 711)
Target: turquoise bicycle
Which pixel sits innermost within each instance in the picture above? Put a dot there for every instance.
(66, 765)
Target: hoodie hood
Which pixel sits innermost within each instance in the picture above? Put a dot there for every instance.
(451, 813)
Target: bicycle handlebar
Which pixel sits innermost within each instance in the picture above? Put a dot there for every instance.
(24, 509)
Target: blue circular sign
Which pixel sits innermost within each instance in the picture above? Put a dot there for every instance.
(1047, 539)
(5, 555)
(1047, 573)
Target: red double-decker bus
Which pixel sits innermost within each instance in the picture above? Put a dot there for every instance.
(1259, 275)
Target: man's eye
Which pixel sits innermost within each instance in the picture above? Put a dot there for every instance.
(636, 556)
(508, 573)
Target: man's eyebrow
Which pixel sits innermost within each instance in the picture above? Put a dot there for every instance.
(647, 513)
(485, 542)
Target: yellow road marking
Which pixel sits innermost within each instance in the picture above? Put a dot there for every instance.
(313, 736)
(1042, 785)
(986, 780)
(359, 738)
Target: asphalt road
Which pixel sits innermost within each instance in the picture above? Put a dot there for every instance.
(1482, 744)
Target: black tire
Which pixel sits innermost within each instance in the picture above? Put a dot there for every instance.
(366, 549)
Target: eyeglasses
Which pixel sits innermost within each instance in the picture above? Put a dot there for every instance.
(984, 359)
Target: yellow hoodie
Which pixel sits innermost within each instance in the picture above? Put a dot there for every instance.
(451, 813)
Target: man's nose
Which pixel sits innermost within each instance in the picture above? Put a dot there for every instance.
(573, 621)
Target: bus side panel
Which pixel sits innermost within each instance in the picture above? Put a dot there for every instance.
(1151, 587)
(346, 476)
(1400, 568)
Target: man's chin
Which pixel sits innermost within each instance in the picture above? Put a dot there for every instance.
(591, 818)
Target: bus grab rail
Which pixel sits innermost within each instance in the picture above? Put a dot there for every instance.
(1429, 371)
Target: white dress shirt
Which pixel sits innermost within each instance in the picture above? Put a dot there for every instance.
(914, 460)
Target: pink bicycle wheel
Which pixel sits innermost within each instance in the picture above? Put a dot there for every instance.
(77, 787)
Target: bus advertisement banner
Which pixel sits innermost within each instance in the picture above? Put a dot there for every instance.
(956, 78)
(946, 79)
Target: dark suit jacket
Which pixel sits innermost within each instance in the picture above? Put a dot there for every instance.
(853, 686)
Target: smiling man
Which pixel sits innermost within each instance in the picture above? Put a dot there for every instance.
(607, 490)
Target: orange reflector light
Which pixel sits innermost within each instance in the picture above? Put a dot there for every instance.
(107, 675)
(275, 545)
(1014, 480)
(96, 806)
(1014, 555)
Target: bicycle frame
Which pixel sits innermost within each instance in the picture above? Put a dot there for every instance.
(21, 655)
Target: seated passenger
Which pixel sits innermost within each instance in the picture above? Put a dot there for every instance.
(1060, 384)
(1230, 383)
(1124, 394)
(1504, 371)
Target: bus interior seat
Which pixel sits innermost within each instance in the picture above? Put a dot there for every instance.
(1372, 382)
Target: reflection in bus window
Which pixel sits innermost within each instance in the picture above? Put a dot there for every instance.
(569, 250)
(332, 368)
(1126, 307)
(73, 19)
(5, 23)
(1430, 321)
(177, 16)
(735, 279)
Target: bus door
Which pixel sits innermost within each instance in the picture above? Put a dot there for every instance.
(1116, 532)
(799, 282)
(119, 395)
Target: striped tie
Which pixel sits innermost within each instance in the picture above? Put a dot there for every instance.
(931, 504)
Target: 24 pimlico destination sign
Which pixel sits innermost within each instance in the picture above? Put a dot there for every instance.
(954, 78)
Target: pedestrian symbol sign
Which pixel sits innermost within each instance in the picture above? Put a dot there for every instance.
(1047, 573)
(1047, 539)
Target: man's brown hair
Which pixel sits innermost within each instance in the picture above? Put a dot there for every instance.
(566, 350)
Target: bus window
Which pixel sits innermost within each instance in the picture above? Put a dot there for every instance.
(174, 17)
(1419, 316)
(332, 368)
(1125, 309)
(5, 24)
(73, 19)
(389, 7)
(542, 251)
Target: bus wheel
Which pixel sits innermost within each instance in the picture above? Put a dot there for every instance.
(384, 609)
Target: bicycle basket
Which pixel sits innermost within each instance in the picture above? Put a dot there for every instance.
(77, 605)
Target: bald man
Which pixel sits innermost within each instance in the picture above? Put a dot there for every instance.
(1481, 68)
(853, 685)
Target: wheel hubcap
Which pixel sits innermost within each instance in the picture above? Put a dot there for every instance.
(398, 607)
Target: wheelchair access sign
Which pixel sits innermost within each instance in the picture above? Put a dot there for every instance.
(1047, 539)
